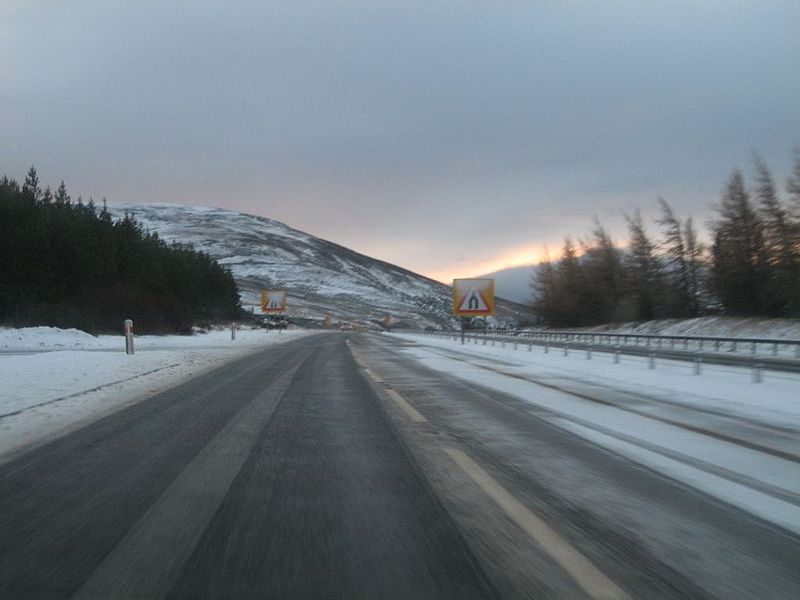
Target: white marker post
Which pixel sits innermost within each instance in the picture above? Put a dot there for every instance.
(128, 336)
(233, 331)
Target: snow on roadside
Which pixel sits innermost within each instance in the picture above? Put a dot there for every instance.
(32, 339)
(721, 388)
(761, 483)
(54, 380)
(753, 327)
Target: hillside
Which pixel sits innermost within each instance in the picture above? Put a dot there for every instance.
(321, 278)
(514, 283)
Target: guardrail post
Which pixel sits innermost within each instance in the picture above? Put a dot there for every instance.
(128, 328)
(530, 346)
(752, 347)
(651, 360)
(566, 348)
(758, 369)
(547, 347)
(616, 354)
(589, 352)
(775, 349)
(698, 364)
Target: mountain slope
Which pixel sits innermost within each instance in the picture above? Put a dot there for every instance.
(514, 283)
(321, 278)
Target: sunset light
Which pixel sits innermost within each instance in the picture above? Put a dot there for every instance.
(520, 257)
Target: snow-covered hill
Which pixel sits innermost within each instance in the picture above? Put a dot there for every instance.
(321, 278)
(514, 283)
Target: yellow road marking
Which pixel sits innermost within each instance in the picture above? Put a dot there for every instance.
(585, 574)
(412, 412)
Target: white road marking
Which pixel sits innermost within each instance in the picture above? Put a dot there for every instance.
(372, 375)
(152, 554)
(585, 574)
(412, 412)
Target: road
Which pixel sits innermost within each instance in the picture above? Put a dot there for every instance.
(335, 466)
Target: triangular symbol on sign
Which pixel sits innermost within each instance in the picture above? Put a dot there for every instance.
(473, 302)
(274, 301)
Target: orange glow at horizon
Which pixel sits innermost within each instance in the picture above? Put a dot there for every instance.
(520, 257)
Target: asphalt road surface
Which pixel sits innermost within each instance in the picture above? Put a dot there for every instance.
(335, 467)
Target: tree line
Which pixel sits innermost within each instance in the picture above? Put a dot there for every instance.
(67, 263)
(749, 267)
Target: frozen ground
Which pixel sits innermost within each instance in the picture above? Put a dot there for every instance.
(718, 432)
(54, 380)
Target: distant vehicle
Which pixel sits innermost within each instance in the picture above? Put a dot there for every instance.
(346, 327)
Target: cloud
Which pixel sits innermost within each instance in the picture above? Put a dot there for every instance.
(404, 131)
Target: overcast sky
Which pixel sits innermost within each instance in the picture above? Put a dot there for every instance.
(451, 138)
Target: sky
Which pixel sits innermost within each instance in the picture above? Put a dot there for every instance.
(450, 138)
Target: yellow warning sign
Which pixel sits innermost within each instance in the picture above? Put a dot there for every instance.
(273, 301)
(473, 297)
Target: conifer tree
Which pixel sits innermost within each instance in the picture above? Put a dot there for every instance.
(739, 274)
(695, 272)
(682, 264)
(793, 187)
(30, 189)
(643, 277)
(62, 198)
(779, 245)
(603, 275)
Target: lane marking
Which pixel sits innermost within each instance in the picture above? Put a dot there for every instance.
(585, 574)
(412, 412)
(151, 556)
(372, 375)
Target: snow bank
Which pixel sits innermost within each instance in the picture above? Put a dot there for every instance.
(755, 327)
(30, 339)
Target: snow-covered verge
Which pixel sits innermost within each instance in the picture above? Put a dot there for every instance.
(753, 327)
(54, 380)
(719, 432)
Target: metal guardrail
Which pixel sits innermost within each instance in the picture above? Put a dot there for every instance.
(757, 353)
(701, 343)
